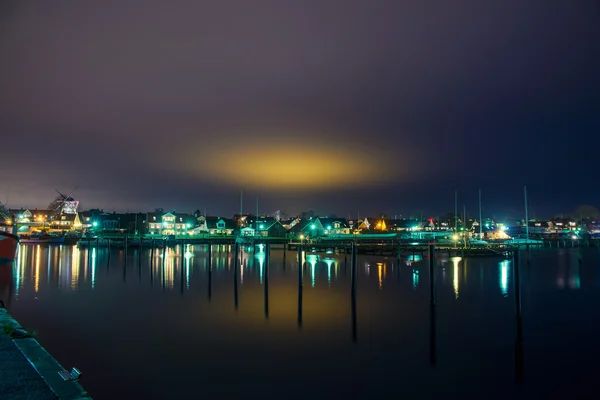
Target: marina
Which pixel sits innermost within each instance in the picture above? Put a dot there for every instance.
(337, 307)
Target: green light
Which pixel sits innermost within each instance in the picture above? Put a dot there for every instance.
(312, 226)
(94, 224)
(262, 226)
(329, 228)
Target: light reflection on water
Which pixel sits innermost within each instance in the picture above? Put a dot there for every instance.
(455, 276)
(389, 301)
(503, 279)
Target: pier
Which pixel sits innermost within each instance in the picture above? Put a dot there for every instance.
(28, 370)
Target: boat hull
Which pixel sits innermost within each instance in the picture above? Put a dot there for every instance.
(58, 240)
(8, 246)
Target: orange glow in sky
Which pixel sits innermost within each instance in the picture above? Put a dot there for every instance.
(293, 167)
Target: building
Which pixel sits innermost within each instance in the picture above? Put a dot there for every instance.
(214, 226)
(161, 223)
(334, 226)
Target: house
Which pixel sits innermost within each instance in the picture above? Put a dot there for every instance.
(214, 226)
(381, 224)
(308, 228)
(161, 223)
(33, 217)
(98, 219)
(403, 224)
(275, 230)
(220, 226)
(362, 225)
(334, 226)
(65, 222)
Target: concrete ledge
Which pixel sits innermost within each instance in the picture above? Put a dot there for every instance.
(44, 364)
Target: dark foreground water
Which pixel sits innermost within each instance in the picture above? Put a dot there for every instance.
(157, 331)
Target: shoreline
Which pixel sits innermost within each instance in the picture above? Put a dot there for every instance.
(36, 371)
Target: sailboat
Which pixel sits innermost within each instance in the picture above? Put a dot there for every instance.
(480, 241)
(526, 240)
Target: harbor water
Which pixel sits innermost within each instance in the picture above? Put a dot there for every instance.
(172, 324)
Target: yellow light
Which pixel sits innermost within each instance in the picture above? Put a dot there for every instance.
(271, 167)
(301, 237)
(454, 237)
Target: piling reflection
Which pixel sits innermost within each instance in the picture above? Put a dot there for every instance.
(432, 336)
(300, 284)
(456, 276)
(354, 324)
(266, 285)
(209, 268)
(236, 260)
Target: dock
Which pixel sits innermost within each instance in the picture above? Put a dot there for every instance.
(28, 370)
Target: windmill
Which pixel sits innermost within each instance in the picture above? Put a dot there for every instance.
(63, 204)
(3, 212)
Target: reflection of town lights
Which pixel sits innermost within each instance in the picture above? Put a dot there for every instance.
(455, 278)
(415, 278)
(504, 277)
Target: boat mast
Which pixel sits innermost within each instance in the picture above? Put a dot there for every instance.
(455, 211)
(526, 214)
(480, 219)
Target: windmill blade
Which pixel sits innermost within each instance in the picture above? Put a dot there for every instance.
(74, 189)
(61, 195)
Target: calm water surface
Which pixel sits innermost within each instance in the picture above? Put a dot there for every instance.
(152, 327)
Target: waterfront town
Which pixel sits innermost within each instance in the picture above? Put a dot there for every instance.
(66, 219)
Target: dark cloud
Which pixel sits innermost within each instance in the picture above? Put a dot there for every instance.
(135, 100)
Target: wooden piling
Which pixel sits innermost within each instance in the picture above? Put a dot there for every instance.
(300, 285)
(518, 319)
(432, 336)
(266, 280)
(354, 324)
(432, 274)
(235, 275)
(209, 271)
(354, 267)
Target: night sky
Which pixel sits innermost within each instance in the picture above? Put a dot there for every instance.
(332, 105)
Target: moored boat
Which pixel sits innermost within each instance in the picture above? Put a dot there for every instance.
(8, 245)
(42, 239)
